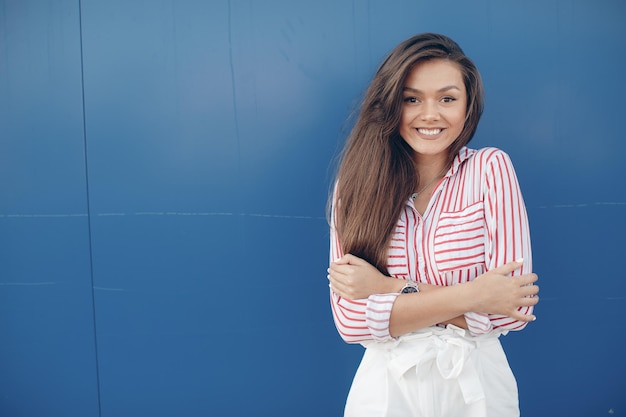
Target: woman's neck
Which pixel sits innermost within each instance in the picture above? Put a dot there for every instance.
(428, 168)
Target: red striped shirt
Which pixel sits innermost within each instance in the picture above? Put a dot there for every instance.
(475, 221)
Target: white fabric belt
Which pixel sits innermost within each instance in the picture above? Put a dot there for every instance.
(449, 350)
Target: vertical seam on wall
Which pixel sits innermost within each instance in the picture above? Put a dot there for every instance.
(233, 81)
(231, 59)
(93, 298)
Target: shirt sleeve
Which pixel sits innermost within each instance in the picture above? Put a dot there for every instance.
(508, 235)
(359, 321)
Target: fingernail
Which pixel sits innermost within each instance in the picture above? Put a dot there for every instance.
(328, 270)
(328, 276)
(534, 318)
(520, 260)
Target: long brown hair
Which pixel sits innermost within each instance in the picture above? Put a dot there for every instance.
(377, 172)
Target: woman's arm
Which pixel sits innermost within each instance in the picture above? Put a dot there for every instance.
(358, 287)
(507, 229)
(363, 317)
(492, 293)
(355, 279)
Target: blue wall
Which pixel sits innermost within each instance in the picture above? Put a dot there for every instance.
(164, 167)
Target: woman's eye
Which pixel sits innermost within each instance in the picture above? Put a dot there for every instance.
(410, 100)
(448, 99)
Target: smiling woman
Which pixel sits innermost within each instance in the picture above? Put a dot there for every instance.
(433, 116)
(430, 247)
(433, 113)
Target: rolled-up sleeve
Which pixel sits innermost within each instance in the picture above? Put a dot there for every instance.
(508, 235)
(359, 320)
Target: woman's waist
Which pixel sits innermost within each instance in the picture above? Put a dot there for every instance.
(436, 335)
(451, 351)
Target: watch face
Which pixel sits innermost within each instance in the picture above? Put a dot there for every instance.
(408, 290)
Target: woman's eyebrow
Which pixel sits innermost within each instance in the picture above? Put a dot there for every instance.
(441, 90)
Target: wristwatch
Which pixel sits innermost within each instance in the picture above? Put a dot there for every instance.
(410, 287)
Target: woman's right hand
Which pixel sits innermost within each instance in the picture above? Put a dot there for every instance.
(497, 293)
(354, 278)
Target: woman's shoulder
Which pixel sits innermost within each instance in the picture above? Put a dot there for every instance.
(489, 153)
(482, 161)
(483, 157)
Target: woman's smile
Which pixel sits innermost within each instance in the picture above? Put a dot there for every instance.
(429, 133)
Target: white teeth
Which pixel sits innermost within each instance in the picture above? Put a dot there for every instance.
(429, 132)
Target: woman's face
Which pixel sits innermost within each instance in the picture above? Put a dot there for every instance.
(434, 107)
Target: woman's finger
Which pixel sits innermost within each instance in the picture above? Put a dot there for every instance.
(526, 279)
(509, 267)
(522, 317)
(530, 290)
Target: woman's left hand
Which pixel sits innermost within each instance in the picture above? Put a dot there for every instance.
(355, 279)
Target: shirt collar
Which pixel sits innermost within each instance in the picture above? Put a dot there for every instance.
(464, 154)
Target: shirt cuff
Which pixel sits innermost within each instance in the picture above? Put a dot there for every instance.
(478, 323)
(377, 314)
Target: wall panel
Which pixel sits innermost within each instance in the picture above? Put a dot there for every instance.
(47, 347)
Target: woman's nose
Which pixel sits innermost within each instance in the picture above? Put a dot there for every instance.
(430, 111)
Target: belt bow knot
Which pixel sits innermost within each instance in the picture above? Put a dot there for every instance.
(449, 352)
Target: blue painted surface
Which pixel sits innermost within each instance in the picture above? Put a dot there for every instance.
(163, 174)
(47, 352)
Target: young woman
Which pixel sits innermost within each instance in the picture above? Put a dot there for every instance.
(430, 247)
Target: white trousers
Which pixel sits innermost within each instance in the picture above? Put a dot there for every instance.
(435, 372)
